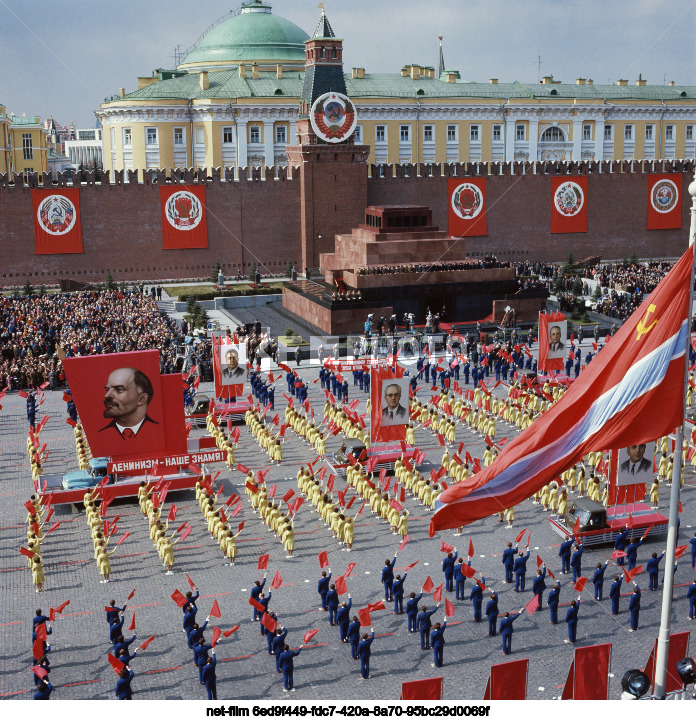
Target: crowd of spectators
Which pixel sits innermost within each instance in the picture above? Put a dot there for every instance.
(33, 327)
(433, 267)
(630, 277)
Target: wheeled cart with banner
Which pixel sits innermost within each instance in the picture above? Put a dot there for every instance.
(372, 459)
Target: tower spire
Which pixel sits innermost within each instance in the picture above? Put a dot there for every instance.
(440, 60)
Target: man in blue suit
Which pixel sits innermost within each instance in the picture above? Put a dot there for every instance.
(412, 611)
(572, 620)
(322, 588)
(437, 641)
(506, 630)
(492, 613)
(576, 562)
(615, 595)
(653, 569)
(620, 544)
(520, 569)
(397, 590)
(553, 600)
(343, 619)
(364, 652)
(448, 569)
(632, 552)
(388, 577)
(476, 598)
(424, 624)
(509, 561)
(332, 604)
(353, 636)
(459, 580)
(287, 666)
(598, 580)
(564, 554)
(691, 597)
(634, 607)
(539, 585)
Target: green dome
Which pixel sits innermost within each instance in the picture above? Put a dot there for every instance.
(255, 35)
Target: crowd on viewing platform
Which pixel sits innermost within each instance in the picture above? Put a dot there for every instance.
(433, 267)
(34, 327)
(636, 277)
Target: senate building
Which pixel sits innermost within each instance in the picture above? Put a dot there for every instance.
(232, 102)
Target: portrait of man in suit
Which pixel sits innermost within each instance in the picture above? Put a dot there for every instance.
(232, 371)
(393, 412)
(635, 464)
(127, 395)
(556, 344)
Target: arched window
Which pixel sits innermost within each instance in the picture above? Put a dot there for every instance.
(552, 134)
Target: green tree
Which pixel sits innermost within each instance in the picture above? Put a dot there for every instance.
(634, 258)
(288, 269)
(252, 273)
(27, 288)
(577, 287)
(202, 317)
(42, 290)
(569, 264)
(215, 271)
(558, 285)
(597, 292)
(192, 306)
(110, 282)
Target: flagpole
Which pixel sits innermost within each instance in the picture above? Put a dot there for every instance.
(668, 586)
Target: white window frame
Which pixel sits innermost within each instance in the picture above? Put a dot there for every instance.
(587, 131)
(404, 133)
(520, 132)
(254, 130)
(428, 133)
(227, 135)
(669, 132)
(127, 138)
(650, 132)
(475, 133)
(628, 132)
(452, 133)
(281, 130)
(358, 136)
(27, 146)
(608, 132)
(181, 134)
(497, 133)
(149, 133)
(380, 133)
(689, 135)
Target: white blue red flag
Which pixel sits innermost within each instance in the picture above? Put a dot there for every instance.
(631, 393)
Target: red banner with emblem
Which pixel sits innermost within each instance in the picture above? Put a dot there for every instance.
(183, 217)
(57, 226)
(664, 202)
(569, 204)
(467, 206)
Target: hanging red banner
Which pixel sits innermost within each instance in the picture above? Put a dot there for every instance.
(57, 226)
(569, 204)
(664, 202)
(467, 206)
(183, 217)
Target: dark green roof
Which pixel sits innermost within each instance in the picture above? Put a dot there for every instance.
(227, 84)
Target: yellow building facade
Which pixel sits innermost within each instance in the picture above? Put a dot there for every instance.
(23, 144)
(233, 102)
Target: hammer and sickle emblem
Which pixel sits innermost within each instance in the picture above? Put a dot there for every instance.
(642, 326)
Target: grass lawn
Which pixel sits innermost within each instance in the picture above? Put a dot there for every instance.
(292, 340)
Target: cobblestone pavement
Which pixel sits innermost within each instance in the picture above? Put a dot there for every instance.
(324, 669)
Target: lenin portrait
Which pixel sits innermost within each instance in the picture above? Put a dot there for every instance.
(127, 395)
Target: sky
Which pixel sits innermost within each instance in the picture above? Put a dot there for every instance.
(63, 57)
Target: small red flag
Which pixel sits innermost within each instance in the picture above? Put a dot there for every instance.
(172, 513)
(186, 533)
(520, 535)
(62, 606)
(405, 540)
(215, 610)
(618, 554)
(438, 594)
(364, 616)
(471, 549)
(580, 584)
(123, 538)
(54, 527)
(533, 604)
(263, 562)
(241, 468)
(181, 527)
(179, 598)
(449, 608)
(131, 625)
(117, 665)
(379, 606)
(216, 635)
(26, 552)
(630, 521)
(323, 559)
(576, 527)
(240, 527)
(258, 606)
(147, 642)
(539, 561)
(679, 551)
(269, 622)
(349, 569)
(445, 547)
(310, 635)
(227, 634)
(288, 495)
(341, 586)
(130, 595)
(277, 580)
(428, 585)
(30, 507)
(71, 422)
(40, 671)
